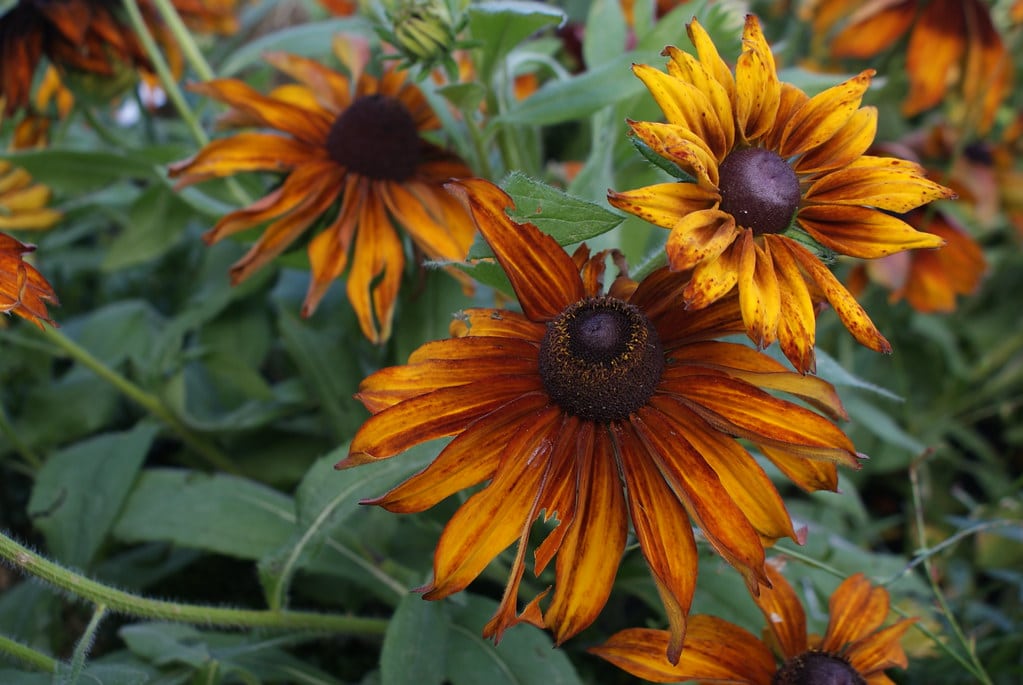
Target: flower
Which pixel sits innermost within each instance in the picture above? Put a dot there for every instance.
(950, 41)
(552, 406)
(333, 143)
(83, 36)
(762, 153)
(24, 204)
(928, 279)
(855, 649)
(23, 290)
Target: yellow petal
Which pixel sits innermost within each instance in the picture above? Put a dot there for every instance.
(809, 474)
(895, 185)
(700, 236)
(797, 326)
(664, 204)
(686, 105)
(824, 115)
(684, 66)
(713, 279)
(757, 89)
(759, 295)
(709, 57)
(681, 146)
(844, 147)
(861, 231)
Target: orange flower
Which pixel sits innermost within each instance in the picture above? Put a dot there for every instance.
(949, 41)
(554, 405)
(855, 648)
(24, 205)
(928, 279)
(23, 290)
(773, 170)
(332, 142)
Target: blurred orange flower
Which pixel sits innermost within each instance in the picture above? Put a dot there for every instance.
(354, 140)
(24, 205)
(855, 649)
(23, 290)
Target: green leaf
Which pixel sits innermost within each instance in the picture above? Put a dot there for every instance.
(604, 38)
(466, 97)
(81, 489)
(881, 424)
(661, 163)
(500, 25)
(836, 374)
(567, 219)
(122, 330)
(221, 513)
(325, 499)
(166, 643)
(305, 39)
(526, 655)
(75, 172)
(416, 643)
(156, 221)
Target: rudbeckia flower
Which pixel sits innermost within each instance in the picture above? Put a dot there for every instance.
(554, 405)
(929, 280)
(855, 649)
(773, 169)
(23, 290)
(352, 156)
(24, 205)
(950, 41)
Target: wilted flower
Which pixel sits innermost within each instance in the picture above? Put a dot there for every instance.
(23, 290)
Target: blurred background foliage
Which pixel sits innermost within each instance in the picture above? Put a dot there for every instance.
(180, 445)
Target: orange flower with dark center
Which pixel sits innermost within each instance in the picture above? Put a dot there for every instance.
(74, 35)
(552, 406)
(950, 41)
(352, 154)
(23, 290)
(772, 170)
(855, 649)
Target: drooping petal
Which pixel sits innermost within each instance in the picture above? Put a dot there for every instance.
(471, 458)
(880, 650)
(665, 204)
(663, 531)
(713, 279)
(757, 89)
(682, 147)
(706, 500)
(700, 236)
(436, 240)
(797, 326)
(891, 184)
(244, 151)
(308, 125)
(378, 260)
(784, 613)
(544, 277)
(824, 115)
(715, 651)
(434, 415)
(809, 474)
(857, 609)
(852, 315)
(332, 88)
(328, 251)
(759, 295)
(588, 556)
(493, 518)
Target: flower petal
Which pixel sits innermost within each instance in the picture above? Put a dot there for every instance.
(784, 613)
(438, 240)
(933, 52)
(543, 275)
(682, 147)
(308, 125)
(664, 204)
(709, 57)
(862, 232)
(713, 279)
(885, 183)
(857, 609)
(809, 474)
(824, 115)
(700, 236)
(797, 325)
(759, 295)
(684, 104)
(876, 31)
(332, 88)
(715, 650)
(496, 322)
(881, 650)
(757, 89)
(378, 260)
(843, 148)
(684, 66)
(244, 151)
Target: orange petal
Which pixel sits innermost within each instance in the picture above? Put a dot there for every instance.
(824, 115)
(875, 32)
(857, 609)
(544, 277)
(468, 460)
(844, 147)
(933, 53)
(884, 183)
(493, 518)
(784, 613)
(333, 88)
(861, 231)
(378, 261)
(440, 241)
(759, 295)
(881, 650)
(757, 89)
(809, 474)
(792, 99)
(308, 125)
(715, 650)
(243, 152)
(434, 415)
(663, 531)
(700, 236)
(664, 204)
(588, 557)
(852, 315)
(328, 251)
(496, 322)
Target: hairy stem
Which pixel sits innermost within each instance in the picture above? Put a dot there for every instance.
(28, 656)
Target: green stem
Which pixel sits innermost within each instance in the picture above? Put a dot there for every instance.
(27, 655)
(184, 39)
(977, 669)
(926, 554)
(146, 400)
(104, 134)
(142, 607)
(167, 80)
(84, 645)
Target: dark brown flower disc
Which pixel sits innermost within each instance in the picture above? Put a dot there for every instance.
(377, 138)
(759, 189)
(601, 359)
(817, 668)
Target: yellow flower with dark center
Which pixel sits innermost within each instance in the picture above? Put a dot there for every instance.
(352, 155)
(24, 205)
(771, 164)
(554, 405)
(23, 290)
(855, 649)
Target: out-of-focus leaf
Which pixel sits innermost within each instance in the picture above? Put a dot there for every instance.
(79, 171)
(415, 645)
(605, 33)
(464, 96)
(305, 39)
(166, 643)
(80, 490)
(220, 513)
(122, 330)
(156, 220)
(836, 374)
(502, 24)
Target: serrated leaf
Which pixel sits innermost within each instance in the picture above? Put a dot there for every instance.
(224, 514)
(415, 644)
(565, 218)
(80, 490)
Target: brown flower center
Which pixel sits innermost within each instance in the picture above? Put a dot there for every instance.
(759, 189)
(817, 668)
(601, 359)
(376, 137)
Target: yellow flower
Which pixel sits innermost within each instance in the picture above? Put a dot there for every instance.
(558, 405)
(855, 649)
(771, 164)
(23, 290)
(24, 204)
(353, 156)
